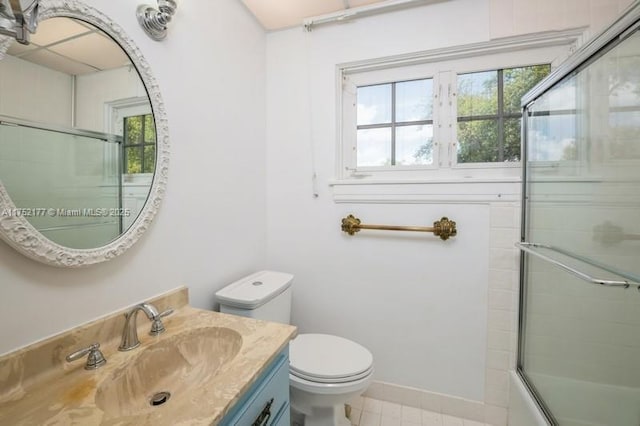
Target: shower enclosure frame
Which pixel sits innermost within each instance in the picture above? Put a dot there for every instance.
(617, 32)
(106, 137)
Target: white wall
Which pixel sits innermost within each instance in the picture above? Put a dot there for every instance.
(94, 90)
(33, 92)
(418, 303)
(437, 316)
(211, 227)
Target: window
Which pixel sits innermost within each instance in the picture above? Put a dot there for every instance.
(489, 114)
(395, 120)
(395, 124)
(450, 114)
(472, 119)
(139, 144)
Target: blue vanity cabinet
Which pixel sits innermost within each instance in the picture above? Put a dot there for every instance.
(267, 402)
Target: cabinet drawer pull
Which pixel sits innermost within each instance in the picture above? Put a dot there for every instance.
(264, 416)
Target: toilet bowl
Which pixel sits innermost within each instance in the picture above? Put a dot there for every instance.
(325, 371)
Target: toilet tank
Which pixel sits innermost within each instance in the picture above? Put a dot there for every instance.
(264, 295)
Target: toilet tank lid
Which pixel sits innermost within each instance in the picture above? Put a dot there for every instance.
(254, 290)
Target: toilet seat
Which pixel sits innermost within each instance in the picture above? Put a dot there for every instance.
(327, 359)
(338, 380)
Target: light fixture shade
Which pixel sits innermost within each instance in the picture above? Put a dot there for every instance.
(154, 21)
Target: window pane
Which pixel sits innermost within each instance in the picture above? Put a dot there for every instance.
(414, 145)
(518, 81)
(149, 158)
(133, 126)
(478, 141)
(149, 129)
(478, 94)
(374, 147)
(512, 130)
(374, 104)
(132, 160)
(414, 100)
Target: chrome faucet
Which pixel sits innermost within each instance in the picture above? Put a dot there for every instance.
(130, 333)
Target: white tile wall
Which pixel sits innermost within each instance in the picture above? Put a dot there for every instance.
(503, 298)
(577, 330)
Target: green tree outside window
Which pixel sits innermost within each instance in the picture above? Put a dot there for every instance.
(139, 144)
(489, 113)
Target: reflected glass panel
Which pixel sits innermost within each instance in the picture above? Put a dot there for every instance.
(553, 137)
(624, 134)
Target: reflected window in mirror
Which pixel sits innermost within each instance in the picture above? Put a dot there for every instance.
(139, 144)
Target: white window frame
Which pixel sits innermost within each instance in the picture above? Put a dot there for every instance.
(115, 112)
(443, 66)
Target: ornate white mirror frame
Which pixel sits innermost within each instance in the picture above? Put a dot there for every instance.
(17, 231)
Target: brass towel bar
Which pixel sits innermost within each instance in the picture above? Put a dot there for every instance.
(443, 228)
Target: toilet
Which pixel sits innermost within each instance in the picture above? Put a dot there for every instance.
(325, 371)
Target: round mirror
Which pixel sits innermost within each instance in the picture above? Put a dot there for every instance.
(83, 139)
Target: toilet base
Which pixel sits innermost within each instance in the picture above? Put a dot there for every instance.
(322, 416)
(323, 404)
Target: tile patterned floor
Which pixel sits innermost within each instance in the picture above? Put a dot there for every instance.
(372, 412)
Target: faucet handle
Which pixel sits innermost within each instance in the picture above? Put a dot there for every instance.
(165, 313)
(94, 360)
(157, 326)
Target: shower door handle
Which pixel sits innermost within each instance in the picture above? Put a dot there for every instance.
(531, 249)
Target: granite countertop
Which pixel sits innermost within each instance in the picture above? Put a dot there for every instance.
(64, 393)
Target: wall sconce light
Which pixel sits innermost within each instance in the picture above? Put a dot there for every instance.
(154, 21)
(18, 21)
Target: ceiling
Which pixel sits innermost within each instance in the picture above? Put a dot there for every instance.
(72, 47)
(76, 48)
(279, 14)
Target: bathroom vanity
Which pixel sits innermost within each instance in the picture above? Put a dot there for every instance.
(267, 402)
(207, 368)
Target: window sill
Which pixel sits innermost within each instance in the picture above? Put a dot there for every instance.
(453, 190)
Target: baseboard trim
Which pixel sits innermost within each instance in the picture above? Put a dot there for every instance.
(439, 403)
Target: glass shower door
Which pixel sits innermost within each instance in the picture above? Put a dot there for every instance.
(580, 328)
(66, 182)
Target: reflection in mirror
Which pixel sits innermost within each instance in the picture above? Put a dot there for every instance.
(77, 134)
